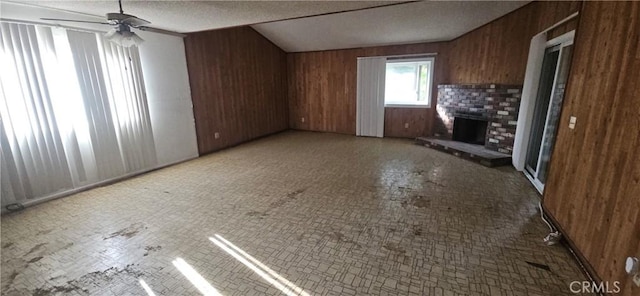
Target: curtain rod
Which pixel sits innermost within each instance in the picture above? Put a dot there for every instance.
(50, 25)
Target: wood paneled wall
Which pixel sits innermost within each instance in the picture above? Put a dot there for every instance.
(497, 52)
(593, 189)
(322, 85)
(322, 90)
(407, 122)
(238, 86)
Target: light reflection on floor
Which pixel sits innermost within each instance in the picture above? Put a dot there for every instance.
(298, 290)
(266, 273)
(195, 278)
(146, 288)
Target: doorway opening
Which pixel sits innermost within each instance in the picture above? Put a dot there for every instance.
(546, 114)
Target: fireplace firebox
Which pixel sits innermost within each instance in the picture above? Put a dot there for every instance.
(468, 130)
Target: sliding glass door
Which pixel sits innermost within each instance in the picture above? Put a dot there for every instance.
(553, 78)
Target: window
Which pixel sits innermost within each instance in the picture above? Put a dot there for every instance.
(408, 82)
(73, 111)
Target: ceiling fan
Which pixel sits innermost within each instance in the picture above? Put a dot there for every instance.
(122, 24)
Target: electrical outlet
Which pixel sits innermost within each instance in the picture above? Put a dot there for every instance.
(406, 125)
(216, 135)
(572, 122)
(302, 119)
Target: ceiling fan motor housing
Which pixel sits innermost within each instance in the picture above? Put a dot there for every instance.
(114, 16)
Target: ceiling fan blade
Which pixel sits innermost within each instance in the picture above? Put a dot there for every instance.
(74, 21)
(110, 34)
(161, 31)
(135, 21)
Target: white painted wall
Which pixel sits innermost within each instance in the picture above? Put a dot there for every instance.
(164, 67)
(166, 79)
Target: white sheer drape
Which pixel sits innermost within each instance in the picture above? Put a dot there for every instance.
(31, 143)
(528, 101)
(125, 86)
(370, 97)
(73, 112)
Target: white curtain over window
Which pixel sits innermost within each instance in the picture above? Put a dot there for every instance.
(73, 112)
(33, 156)
(370, 97)
(125, 88)
(528, 101)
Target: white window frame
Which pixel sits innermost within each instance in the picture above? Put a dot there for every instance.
(431, 60)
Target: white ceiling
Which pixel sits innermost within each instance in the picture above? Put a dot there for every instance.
(423, 21)
(369, 23)
(192, 16)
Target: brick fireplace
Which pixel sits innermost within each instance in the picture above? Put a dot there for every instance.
(465, 111)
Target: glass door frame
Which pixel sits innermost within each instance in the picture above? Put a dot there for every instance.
(561, 41)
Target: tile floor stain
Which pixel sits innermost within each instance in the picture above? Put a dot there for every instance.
(36, 259)
(332, 214)
(276, 204)
(128, 232)
(258, 214)
(90, 281)
(150, 249)
(395, 248)
(538, 265)
(36, 248)
(42, 232)
(417, 201)
(339, 237)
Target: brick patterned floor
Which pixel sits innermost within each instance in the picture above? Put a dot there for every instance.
(327, 214)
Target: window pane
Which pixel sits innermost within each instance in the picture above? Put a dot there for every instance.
(424, 85)
(408, 82)
(400, 85)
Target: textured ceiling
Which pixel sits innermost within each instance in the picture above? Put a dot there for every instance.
(405, 23)
(293, 25)
(191, 16)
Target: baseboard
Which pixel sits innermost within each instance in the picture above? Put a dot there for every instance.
(584, 264)
(39, 200)
(244, 142)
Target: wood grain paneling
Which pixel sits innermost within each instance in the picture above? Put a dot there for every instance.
(418, 121)
(593, 189)
(497, 52)
(322, 90)
(238, 86)
(564, 28)
(322, 86)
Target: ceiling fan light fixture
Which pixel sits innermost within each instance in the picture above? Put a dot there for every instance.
(123, 36)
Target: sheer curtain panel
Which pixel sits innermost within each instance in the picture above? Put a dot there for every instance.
(73, 112)
(34, 161)
(370, 96)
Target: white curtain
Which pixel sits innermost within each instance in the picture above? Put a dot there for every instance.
(33, 157)
(528, 101)
(70, 115)
(125, 86)
(370, 97)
